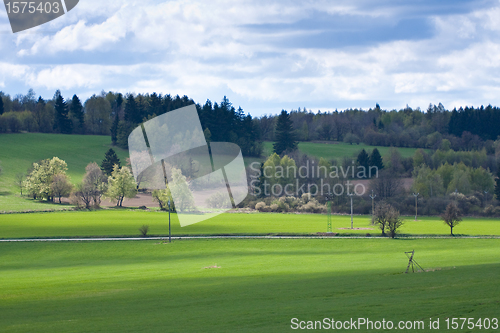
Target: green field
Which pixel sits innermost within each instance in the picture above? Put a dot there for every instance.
(19, 151)
(258, 285)
(339, 150)
(124, 222)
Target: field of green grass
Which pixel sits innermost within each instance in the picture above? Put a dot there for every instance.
(19, 151)
(224, 285)
(124, 222)
(242, 285)
(338, 150)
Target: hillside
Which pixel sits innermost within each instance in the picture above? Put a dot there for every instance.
(19, 151)
(338, 149)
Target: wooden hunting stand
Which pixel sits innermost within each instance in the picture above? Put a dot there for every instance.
(412, 262)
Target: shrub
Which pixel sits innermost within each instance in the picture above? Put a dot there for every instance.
(274, 208)
(219, 200)
(144, 230)
(260, 206)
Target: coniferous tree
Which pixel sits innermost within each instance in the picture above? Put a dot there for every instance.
(285, 136)
(131, 110)
(1, 105)
(363, 160)
(376, 159)
(114, 129)
(76, 111)
(63, 124)
(110, 159)
(117, 109)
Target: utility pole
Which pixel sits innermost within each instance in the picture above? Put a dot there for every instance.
(416, 204)
(373, 205)
(329, 212)
(351, 195)
(169, 230)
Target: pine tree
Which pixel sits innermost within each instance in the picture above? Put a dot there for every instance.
(364, 160)
(116, 109)
(285, 136)
(76, 111)
(376, 159)
(110, 159)
(63, 124)
(497, 183)
(1, 105)
(114, 129)
(131, 111)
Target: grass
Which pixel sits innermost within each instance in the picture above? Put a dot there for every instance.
(258, 285)
(338, 150)
(19, 151)
(124, 222)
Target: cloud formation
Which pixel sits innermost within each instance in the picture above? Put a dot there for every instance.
(265, 55)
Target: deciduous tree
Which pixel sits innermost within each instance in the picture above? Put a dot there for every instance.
(60, 186)
(121, 184)
(452, 216)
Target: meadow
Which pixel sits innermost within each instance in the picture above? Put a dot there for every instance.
(19, 151)
(242, 285)
(126, 222)
(224, 285)
(337, 150)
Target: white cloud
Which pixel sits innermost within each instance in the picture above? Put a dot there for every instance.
(205, 50)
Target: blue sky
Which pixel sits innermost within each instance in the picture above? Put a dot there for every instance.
(265, 55)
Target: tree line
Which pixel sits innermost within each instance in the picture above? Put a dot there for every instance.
(117, 115)
(47, 180)
(460, 129)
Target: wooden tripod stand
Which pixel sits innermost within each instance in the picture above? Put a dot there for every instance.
(412, 263)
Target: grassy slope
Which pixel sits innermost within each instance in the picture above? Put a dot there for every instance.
(125, 222)
(338, 150)
(260, 285)
(19, 151)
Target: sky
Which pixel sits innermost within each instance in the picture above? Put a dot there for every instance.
(265, 56)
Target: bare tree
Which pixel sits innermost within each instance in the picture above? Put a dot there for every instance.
(386, 185)
(452, 216)
(388, 219)
(94, 181)
(19, 181)
(60, 186)
(92, 187)
(394, 222)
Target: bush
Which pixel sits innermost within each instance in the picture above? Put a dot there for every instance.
(219, 200)
(274, 208)
(260, 206)
(144, 230)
